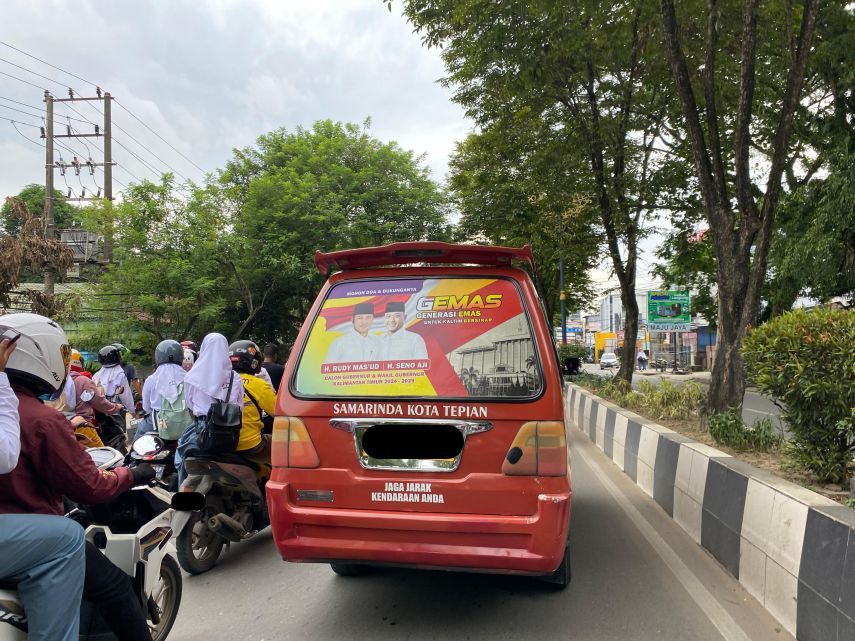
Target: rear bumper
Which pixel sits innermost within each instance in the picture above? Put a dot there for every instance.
(510, 544)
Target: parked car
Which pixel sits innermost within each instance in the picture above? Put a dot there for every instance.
(420, 418)
(608, 360)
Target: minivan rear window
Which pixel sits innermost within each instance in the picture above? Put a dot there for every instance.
(452, 337)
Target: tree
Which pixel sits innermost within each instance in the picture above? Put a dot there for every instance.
(165, 280)
(28, 249)
(593, 71)
(513, 188)
(33, 197)
(329, 187)
(689, 261)
(724, 127)
(812, 252)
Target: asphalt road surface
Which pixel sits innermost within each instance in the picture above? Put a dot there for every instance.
(636, 576)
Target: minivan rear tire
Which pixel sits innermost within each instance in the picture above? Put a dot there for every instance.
(349, 569)
(560, 579)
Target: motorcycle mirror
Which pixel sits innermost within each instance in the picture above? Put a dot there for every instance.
(147, 445)
(105, 457)
(188, 501)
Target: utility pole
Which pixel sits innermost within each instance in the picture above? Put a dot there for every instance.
(108, 173)
(50, 277)
(50, 165)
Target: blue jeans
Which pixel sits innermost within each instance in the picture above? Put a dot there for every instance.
(188, 441)
(147, 426)
(46, 555)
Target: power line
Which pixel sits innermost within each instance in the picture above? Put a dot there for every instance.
(56, 82)
(32, 84)
(148, 165)
(21, 111)
(18, 122)
(29, 55)
(41, 109)
(132, 114)
(159, 136)
(23, 136)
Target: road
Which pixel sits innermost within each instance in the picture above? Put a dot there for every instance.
(636, 576)
(755, 406)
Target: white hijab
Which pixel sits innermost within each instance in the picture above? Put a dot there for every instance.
(111, 378)
(210, 376)
(163, 383)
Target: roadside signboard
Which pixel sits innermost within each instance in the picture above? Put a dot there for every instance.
(668, 311)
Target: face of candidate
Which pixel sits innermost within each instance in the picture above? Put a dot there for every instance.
(362, 323)
(394, 321)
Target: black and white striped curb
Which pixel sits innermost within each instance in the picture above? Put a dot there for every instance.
(792, 549)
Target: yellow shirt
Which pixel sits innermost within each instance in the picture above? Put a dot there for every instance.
(250, 428)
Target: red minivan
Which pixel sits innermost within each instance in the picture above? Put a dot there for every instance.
(421, 419)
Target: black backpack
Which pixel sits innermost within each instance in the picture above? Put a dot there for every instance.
(221, 432)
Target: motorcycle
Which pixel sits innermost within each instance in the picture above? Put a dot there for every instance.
(149, 448)
(132, 531)
(235, 509)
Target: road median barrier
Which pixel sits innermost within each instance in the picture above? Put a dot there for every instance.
(791, 549)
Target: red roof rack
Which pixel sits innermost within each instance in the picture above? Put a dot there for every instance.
(421, 252)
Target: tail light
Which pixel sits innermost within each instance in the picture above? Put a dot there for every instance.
(292, 446)
(539, 449)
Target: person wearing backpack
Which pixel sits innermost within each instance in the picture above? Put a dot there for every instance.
(163, 397)
(258, 395)
(209, 387)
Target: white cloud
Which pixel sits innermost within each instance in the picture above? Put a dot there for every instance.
(211, 76)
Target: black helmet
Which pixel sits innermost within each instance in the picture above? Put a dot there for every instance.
(245, 357)
(168, 351)
(109, 355)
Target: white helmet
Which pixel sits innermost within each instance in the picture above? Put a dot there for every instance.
(189, 359)
(41, 357)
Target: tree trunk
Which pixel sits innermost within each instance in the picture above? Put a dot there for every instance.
(630, 333)
(727, 386)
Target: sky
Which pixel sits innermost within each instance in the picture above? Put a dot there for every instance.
(212, 76)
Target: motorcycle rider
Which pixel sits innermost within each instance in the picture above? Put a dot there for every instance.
(189, 359)
(89, 398)
(208, 381)
(258, 395)
(43, 553)
(112, 377)
(130, 374)
(164, 382)
(52, 464)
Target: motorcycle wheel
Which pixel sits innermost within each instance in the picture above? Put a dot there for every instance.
(198, 548)
(166, 597)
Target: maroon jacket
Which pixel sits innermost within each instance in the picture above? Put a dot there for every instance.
(52, 464)
(98, 401)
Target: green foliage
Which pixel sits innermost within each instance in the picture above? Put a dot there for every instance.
(166, 279)
(571, 350)
(689, 260)
(329, 187)
(33, 196)
(665, 400)
(805, 361)
(235, 255)
(570, 101)
(813, 253)
(516, 186)
(729, 429)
